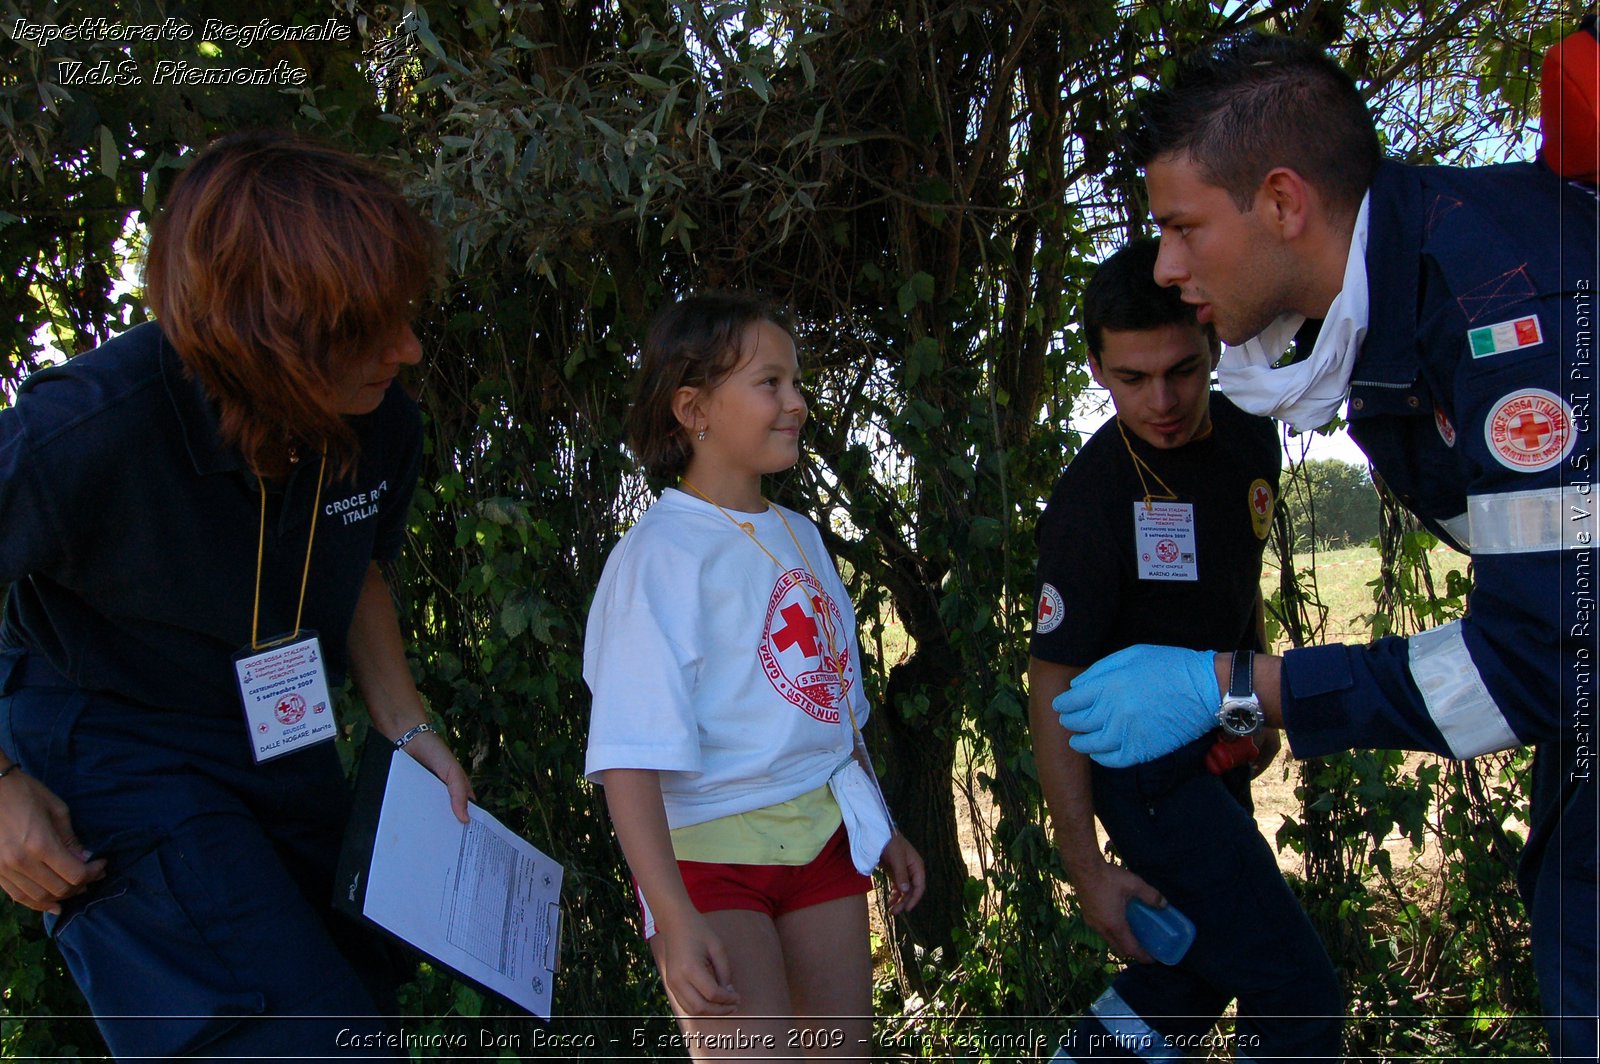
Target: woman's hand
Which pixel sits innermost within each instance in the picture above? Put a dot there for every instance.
(378, 666)
(42, 863)
(433, 753)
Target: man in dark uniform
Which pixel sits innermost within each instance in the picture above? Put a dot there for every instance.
(1154, 534)
(1455, 309)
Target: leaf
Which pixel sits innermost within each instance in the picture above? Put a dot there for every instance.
(424, 34)
(757, 80)
(923, 359)
(530, 155)
(110, 157)
(515, 615)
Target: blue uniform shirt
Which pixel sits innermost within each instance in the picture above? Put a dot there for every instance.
(1472, 397)
(128, 531)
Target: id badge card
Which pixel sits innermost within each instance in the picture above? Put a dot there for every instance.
(284, 689)
(1164, 541)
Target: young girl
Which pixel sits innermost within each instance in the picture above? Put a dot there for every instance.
(722, 655)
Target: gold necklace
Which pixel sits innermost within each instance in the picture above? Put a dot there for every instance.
(1141, 467)
(824, 623)
(749, 529)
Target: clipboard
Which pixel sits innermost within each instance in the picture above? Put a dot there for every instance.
(475, 899)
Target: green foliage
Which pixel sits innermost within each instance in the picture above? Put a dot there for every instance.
(1334, 500)
(926, 188)
(42, 1014)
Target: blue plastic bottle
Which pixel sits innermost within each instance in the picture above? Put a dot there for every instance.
(1165, 934)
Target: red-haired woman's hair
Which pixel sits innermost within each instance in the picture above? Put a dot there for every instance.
(278, 264)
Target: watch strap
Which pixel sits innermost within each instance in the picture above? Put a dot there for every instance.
(1241, 674)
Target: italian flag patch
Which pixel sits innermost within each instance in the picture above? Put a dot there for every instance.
(1505, 336)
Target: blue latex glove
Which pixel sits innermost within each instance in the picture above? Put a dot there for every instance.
(1140, 703)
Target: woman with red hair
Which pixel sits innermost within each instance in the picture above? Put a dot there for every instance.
(192, 522)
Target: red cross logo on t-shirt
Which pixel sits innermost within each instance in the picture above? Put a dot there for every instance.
(797, 628)
(1261, 499)
(805, 652)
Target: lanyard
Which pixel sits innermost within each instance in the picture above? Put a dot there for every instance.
(261, 541)
(1141, 467)
(824, 623)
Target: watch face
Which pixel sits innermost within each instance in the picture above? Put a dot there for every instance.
(1240, 718)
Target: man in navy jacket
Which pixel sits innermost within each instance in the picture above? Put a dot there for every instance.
(1455, 310)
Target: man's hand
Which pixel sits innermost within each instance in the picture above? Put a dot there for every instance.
(1103, 900)
(1140, 703)
(42, 863)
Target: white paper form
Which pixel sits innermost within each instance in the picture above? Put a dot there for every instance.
(476, 896)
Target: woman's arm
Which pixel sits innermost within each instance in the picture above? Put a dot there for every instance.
(378, 666)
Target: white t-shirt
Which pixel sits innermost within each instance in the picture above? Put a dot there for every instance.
(710, 663)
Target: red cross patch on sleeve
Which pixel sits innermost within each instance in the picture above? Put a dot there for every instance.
(1051, 611)
(1530, 430)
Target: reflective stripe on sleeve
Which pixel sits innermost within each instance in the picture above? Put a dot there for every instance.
(1132, 1034)
(1460, 529)
(1541, 519)
(1457, 699)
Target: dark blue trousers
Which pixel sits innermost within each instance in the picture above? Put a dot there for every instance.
(211, 934)
(1191, 836)
(1560, 884)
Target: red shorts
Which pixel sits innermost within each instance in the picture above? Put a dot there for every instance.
(764, 888)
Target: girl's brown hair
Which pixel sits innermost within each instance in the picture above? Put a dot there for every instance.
(278, 264)
(693, 343)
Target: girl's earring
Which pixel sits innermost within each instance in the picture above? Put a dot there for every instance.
(700, 435)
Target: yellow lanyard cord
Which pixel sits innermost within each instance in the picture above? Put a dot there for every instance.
(824, 624)
(261, 542)
(1142, 467)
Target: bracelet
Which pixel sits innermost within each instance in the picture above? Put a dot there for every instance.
(412, 733)
(9, 769)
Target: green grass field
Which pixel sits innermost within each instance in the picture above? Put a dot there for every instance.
(1344, 582)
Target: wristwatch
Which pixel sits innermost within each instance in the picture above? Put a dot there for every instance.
(1241, 714)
